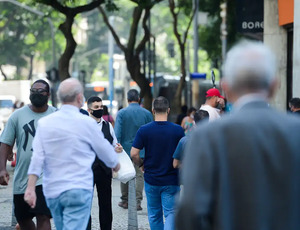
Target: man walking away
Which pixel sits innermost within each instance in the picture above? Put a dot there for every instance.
(243, 171)
(159, 138)
(128, 121)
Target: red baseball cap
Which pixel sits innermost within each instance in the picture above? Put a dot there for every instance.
(214, 92)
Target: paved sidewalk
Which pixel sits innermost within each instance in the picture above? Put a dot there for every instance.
(120, 215)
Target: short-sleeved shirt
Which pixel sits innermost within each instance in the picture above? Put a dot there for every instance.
(178, 154)
(21, 126)
(160, 139)
(214, 113)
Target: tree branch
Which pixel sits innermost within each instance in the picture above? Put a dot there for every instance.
(55, 5)
(3, 74)
(146, 37)
(175, 23)
(116, 37)
(189, 25)
(72, 11)
(136, 16)
(92, 5)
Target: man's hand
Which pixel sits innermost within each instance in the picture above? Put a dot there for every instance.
(4, 177)
(117, 168)
(10, 156)
(30, 197)
(221, 102)
(118, 148)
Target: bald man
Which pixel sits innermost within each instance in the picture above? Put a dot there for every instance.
(64, 148)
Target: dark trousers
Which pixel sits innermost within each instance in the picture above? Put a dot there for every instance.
(103, 186)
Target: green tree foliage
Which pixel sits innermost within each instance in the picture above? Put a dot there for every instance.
(209, 35)
(21, 35)
(70, 9)
(134, 46)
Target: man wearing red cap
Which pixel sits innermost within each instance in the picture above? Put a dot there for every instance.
(213, 99)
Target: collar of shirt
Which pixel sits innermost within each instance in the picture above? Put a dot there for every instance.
(101, 121)
(134, 104)
(67, 107)
(249, 98)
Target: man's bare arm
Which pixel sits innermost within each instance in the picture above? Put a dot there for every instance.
(135, 156)
(5, 151)
(30, 195)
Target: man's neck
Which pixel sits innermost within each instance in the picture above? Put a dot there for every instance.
(161, 117)
(38, 109)
(210, 103)
(133, 102)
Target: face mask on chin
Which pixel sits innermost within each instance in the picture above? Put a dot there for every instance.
(97, 113)
(38, 100)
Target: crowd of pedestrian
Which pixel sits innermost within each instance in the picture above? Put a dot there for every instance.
(239, 170)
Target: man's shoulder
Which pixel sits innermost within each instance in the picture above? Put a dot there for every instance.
(148, 125)
(52, 109)
(174, 126)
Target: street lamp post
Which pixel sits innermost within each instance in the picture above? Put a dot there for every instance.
(42, 15)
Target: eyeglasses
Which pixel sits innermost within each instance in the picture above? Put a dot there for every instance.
(38, 91)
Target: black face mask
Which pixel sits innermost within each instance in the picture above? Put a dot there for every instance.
(38, 100)
(97, 113)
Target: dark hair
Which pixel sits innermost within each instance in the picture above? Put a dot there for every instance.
(295, 102)
(160, 104)
(184, 109)
(105, 110)
(133, 95)
(43, 82)
(201, 115)
(192, 109)
(93, 99)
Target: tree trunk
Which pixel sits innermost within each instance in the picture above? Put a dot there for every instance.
(134, 68)
(177, 98)
(30, 67)
(3, 74)
(64, 61)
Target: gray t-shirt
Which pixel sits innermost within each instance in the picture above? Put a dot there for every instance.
(21, 126)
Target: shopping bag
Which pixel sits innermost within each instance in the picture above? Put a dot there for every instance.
(127, 171)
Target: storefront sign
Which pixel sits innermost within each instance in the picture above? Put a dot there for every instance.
(250, 16)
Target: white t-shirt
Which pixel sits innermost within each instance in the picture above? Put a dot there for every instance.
(213, 112)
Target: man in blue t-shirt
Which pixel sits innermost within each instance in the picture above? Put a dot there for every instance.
(178, 154)
(159, 138)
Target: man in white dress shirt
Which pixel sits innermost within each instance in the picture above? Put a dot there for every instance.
(64, 148)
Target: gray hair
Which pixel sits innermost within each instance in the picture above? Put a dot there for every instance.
(249, 66)
(68, 90)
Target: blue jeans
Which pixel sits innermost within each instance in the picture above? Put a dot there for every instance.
(71, 209)
(161, 200)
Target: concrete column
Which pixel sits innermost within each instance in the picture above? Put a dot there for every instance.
(296, 50)
(275, 37)
(132, 212)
